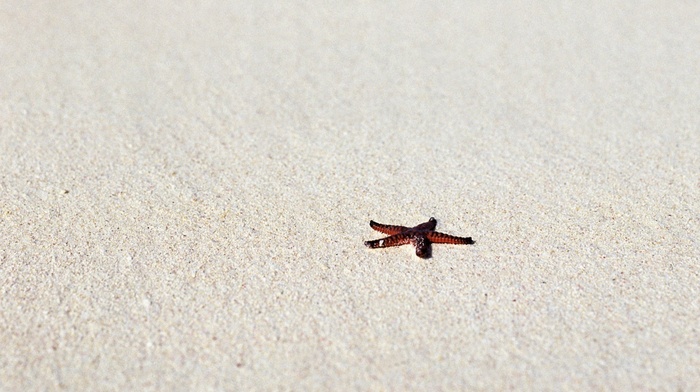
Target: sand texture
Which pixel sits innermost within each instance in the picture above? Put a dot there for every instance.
(185, 188)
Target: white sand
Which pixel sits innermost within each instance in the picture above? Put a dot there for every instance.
(185, 190)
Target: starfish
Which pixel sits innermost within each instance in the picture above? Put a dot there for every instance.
(420, 236)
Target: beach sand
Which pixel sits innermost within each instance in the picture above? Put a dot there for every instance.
(185, 188)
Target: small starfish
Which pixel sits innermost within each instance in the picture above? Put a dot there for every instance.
(420, 236)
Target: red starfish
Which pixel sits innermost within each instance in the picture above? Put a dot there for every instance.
(420, 236)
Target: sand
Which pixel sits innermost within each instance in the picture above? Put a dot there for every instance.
(185, 190)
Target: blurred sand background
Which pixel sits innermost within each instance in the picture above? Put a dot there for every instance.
(185, 188)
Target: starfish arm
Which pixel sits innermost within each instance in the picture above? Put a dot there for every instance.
(422, 245)
(394, 240)
(387, 229)
(429, 225)
(441, 238)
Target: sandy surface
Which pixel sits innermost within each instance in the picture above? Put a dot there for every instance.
(185, 190)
